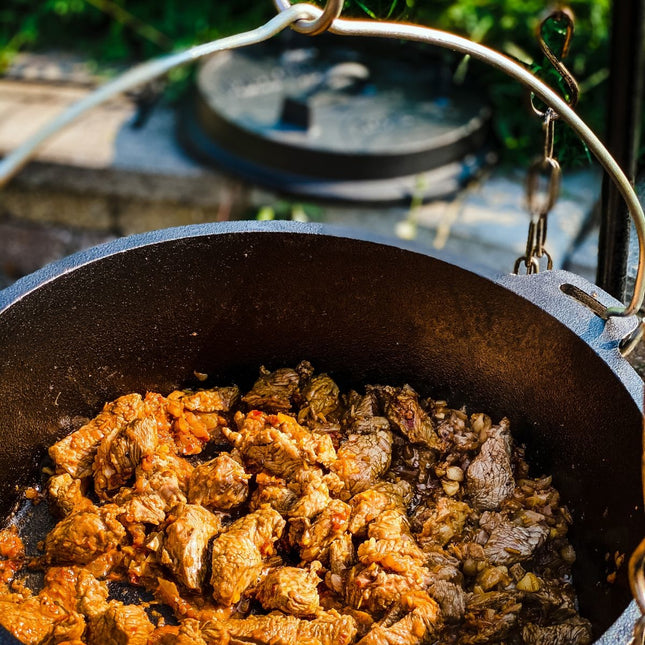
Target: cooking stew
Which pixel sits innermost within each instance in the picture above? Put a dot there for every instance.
(293, 514)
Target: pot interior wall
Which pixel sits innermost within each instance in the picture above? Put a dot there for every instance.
(148, 317)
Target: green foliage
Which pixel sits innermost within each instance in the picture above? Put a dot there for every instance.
(130, 30)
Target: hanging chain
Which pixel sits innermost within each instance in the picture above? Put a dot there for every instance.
(546, 169)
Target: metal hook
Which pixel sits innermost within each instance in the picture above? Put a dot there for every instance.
(559, 15)
(317, 25)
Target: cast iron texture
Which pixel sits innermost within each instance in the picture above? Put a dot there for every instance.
(144, 313)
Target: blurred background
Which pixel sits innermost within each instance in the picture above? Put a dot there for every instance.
(170, 154)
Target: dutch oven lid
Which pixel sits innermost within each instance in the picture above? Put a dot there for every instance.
(311, 117)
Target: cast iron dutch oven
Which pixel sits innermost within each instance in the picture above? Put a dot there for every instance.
(146, 312)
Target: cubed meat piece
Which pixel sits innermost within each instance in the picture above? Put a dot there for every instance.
(362, 459)
(12, 553)
(391, 544)
(489, 478)
(75, 590)
(187, 633)
(186, 541)
(220, 484)
(161, 482)
(275, 492)
(329, 628)
(315, 538)
(121, 625)
(26, 621)
(509, 543)
(197, 416)
(342, 557)
(145, 507)
(362, 416)
(278, 444)
(490, 617)
(291, 590)
(414, 628)
(315, 495)
(53, 615)
(445, 521)
(575, 631)
(451, 598)
(369, 504)
(66, 494)
(84, 535)
(373, 589)
(402, 409)
(239, 553)
(276, 391)
(321, 400)
(75, 453)
(120, 452)
(218, 399)
(165, 473)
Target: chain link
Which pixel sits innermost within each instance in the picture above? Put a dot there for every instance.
(540, 200)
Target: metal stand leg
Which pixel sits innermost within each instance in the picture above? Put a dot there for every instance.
(625, 99)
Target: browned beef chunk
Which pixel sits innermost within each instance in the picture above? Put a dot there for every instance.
(362, 414)
(329, 628)
(291, 590)
(84, 535)
(489, 617)
(314, 538)
(375, 589)
(369, 504)
(391, 544)
(186, 541)
(509, 543)
(445, 521)
(161, 482)
(66, 494)
(342, 557)
(314, 488)
(362, 459)
(390, 562)
(56, 614)
(415, 628)
(120, 625)
(275, 492)
(218, 399)
(75, 589)
(220, 484)
(196, 416)
(187, 633)
(402, 409)
(12, 553)
(442, 564)
(26, 621)
(239, 553)
(489, 478)
(274, 391)
(575, 631)
(321, 400)
(451, 599)
(120, 452)
(75, 453)
(278, 444)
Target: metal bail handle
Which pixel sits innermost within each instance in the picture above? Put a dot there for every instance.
(350, 27)
(317, 25)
